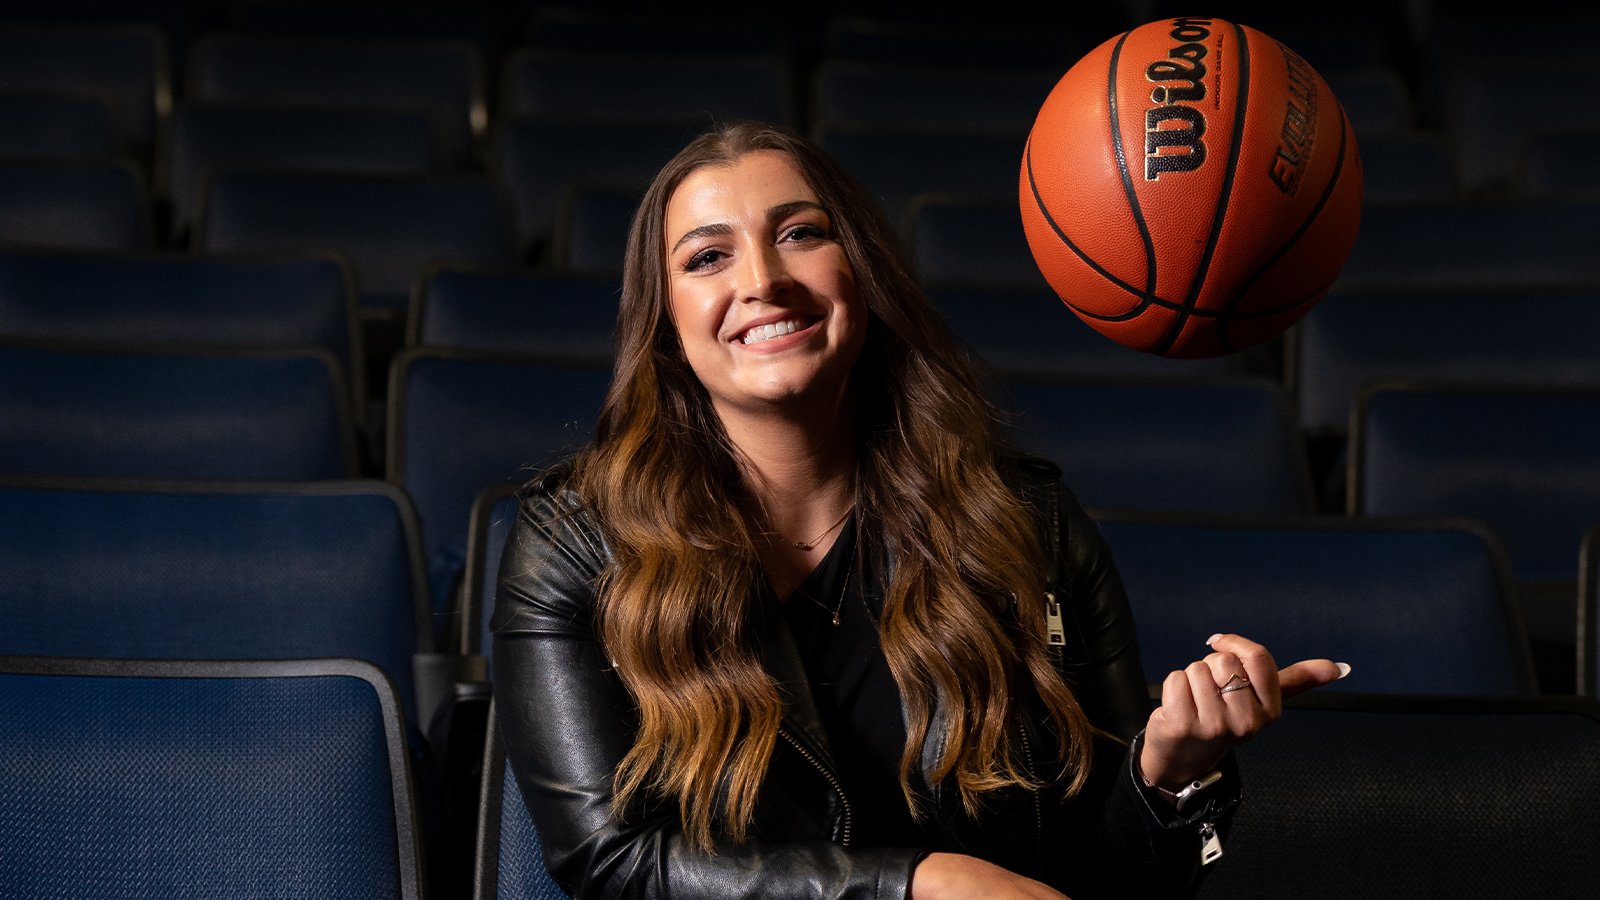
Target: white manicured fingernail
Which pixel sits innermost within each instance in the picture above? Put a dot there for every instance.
(1213, 639)
(1344, 669)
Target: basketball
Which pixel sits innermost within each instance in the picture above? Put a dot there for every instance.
(1190, 188)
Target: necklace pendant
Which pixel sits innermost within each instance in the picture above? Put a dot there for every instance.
(836, 621)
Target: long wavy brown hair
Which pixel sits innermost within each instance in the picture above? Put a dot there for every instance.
(963, 613)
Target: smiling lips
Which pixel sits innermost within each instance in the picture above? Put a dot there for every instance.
(762, 333)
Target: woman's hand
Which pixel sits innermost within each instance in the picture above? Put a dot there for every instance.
(1220, 702)
(952, 876)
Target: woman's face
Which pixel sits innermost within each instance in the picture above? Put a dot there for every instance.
(761, 292)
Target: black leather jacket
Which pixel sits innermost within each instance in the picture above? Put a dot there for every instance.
(567, 722)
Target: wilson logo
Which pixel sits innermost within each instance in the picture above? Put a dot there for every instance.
(1173, 130)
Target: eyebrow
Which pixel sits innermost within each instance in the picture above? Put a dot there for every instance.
(781, 211)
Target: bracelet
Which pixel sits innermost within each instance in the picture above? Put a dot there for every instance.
(1182, 797)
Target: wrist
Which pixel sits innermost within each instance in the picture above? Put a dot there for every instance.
(1185, 795)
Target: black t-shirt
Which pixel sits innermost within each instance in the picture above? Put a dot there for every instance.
(856, 696)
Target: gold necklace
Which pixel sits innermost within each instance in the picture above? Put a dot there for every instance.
(812, 544)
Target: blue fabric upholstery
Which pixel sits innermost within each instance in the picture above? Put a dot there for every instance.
(899, 164)
(55, 127)
(173, 414)
(971, 242)
(493, 515)
(1456, 246)
(593, 237)
(74, 206)
(125, 65)
(601, 87)
(215, 572)
(1407, 167)
(1418, 607)
(553, 315)
(202, 780)
(929, 96)
(510, 861)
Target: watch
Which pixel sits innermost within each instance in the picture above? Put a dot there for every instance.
(1183, 797)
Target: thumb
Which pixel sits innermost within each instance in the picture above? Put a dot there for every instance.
(1308, 674)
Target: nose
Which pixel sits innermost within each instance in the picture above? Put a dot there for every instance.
(763, 275)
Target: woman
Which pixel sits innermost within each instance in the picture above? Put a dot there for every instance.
(796, 625)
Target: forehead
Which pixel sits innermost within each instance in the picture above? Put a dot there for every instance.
(746, 187)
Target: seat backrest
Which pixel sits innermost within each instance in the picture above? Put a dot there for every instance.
(510, 861)
(460, 422)
(1204, 445)
(37, 125)
(1408, 797)
(928, 96)
(494, 514)
(390, 228)
(74, 206)
(1531, 337)
(1376, 98)
(206, 136)
(898, 164)
(593, 235)
(616, 87)
(1495, 108)
(961, 241)
(124, 64)
(442, 76)
(191, 779)
(1418, 606)
(213, 571)
(558, 316)
(1407, 167)
(167, 299)
(86, 411)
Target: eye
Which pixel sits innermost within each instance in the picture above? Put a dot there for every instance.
(704, 259)
(805, 232)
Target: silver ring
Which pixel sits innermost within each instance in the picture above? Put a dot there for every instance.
(1235, 683)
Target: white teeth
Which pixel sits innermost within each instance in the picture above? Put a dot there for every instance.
(767, 332)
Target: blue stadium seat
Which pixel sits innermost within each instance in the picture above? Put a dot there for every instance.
(485, 25)
(1204, 445)
(1556, 165)
(621, 30)
(978, 45)
(440, 76)
(204, 779)
(124, 65)
(206, 136)
(541, 160)
(1474, 798)
(899, 164)
(1497, 108)
(460, 422)
(510, 860)
(958, 241)
(1461, 40)
(593, 236)
(171, 299)
(1415, 606)
(1479, 337)
(1032, 333)
(493, 514)
(77, 206)
(613, 87)
(1375, 98)
(213, 570)
(1407, 167)
(1453, 245)
(932, 97)
(1525, 461)
(546, 314)
(389, 228)
(173, 413)
(55, 126)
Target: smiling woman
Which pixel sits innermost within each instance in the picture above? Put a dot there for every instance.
(798, 625)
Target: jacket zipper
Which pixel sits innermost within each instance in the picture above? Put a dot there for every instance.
(1038, 805)
(833, 780)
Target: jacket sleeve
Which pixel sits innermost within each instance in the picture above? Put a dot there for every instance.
(1145, 848)
(568, 721)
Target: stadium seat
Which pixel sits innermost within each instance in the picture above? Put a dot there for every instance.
(493, 514)
(974, 45)
(213, 571)
(1415, 606)
(172, 413)
(460, 422)
(1407, 167)
(74, 206)
(389, 228)
(204, 779)
(510, 860)
(1030, 332)
(1497, 108)
(593, 235)
(1203, 445)
(486, 26)
(1472, 798)
(1555, 165)
(206, 136)
(1457, 245)
(847, 94)
(899, 164)
(541, 160)
(957, 241)
(1375, 98)
(123, 65)
(613, 30)
(545, 314)
(614, 87)
(55, 127)
(172, 299)
(1535, 338)
(440, 76)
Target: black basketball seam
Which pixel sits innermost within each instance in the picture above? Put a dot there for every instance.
(1122, 168)
(1241, 101)
(1226, 314)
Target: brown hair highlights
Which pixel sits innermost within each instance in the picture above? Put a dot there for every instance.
(964, 610)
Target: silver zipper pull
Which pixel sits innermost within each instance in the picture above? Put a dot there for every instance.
(1210, 844)
(1055, 634)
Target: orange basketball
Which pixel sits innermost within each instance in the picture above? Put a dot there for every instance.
(1191, 187)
